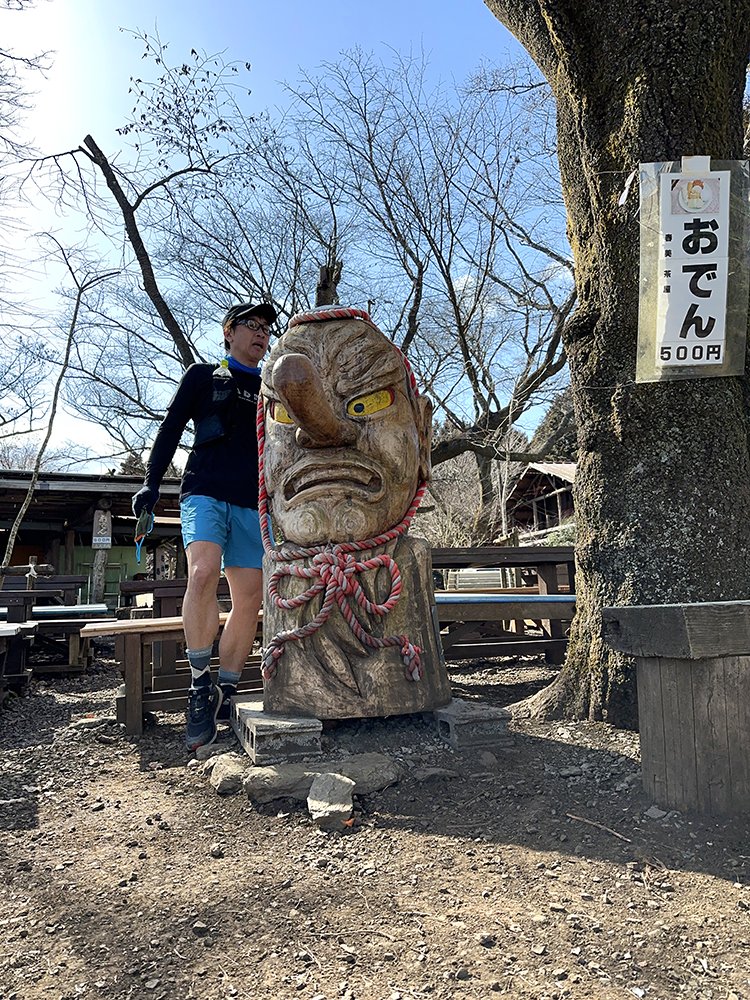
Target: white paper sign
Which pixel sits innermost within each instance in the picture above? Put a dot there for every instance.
(694, 269)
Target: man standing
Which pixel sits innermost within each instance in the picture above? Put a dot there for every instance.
(218, 508)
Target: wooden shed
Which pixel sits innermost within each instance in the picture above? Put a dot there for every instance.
(542, 498)
(58, 527)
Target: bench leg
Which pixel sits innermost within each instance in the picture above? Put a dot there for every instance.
(74, 650)
(132, 664)
(16, 670)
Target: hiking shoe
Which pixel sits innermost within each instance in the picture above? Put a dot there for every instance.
(226, 693)
(203, 704)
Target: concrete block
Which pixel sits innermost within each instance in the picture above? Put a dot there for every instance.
(274, 739)
(470, 724)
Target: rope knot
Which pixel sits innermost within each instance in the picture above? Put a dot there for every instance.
(336, 570)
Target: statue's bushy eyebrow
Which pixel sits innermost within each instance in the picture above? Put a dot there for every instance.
(367, 365)
(364, 365)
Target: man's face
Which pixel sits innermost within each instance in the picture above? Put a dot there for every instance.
(346, 444)
(248, 340)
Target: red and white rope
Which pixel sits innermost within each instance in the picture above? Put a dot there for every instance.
(333, 567)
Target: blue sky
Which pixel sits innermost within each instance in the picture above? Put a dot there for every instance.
(86, 89)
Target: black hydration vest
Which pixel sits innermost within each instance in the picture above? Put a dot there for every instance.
(220, 423)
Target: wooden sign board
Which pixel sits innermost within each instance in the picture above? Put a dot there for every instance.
(694, 269)
(101, 532)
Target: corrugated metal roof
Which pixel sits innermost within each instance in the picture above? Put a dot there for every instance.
(563, 470)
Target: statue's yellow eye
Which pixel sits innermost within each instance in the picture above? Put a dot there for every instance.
(363, 406)
(279, 413)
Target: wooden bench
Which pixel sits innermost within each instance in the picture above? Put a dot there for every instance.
(498, 625)
(167, 597)
(62, 636)
(476, 625)
(145, 689)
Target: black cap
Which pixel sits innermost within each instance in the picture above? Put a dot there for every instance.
(247, 309)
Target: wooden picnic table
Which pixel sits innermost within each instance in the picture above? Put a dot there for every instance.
(53, 624)
(476, 624)
(52, 612)
(17, 605)
(68, 586)
(543, 559)
(498, 628)
(144, 688)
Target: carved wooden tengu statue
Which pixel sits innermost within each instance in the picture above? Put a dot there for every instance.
(349, 622)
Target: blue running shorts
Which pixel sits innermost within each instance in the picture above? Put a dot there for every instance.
(235, 529)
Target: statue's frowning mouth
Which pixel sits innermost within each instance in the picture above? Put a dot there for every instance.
(313, 480)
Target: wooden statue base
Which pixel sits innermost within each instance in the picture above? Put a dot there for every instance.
(332, 675)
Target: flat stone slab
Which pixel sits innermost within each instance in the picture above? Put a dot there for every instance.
(469, 724)
(370, 773)
(274, 739)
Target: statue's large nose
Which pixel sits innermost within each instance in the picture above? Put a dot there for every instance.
(301, 391)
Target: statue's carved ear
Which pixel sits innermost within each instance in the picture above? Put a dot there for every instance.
(424, 427)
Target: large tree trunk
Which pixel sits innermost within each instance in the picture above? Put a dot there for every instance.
(663, 480)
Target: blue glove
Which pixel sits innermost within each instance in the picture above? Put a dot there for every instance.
(145, 499)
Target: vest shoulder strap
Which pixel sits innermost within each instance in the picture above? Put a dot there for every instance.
(223, 384)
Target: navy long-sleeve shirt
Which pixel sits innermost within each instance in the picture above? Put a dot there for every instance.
(225, 468)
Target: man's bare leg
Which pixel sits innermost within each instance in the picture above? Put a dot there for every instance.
(200, 608)
(200, 618)
(246, 590)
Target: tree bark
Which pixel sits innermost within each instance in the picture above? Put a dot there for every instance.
(484, 520)
(663, 478)
(326, 293)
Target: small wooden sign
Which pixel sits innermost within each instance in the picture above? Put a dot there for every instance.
(101, 533)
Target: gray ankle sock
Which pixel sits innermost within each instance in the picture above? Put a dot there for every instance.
(200, 666)
(228, 677)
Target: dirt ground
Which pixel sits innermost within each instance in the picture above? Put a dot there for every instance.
(537, 870)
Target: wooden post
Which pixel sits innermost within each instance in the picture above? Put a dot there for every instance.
(546, 575)
(693, 663)
(98, 573)
(101, 542)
